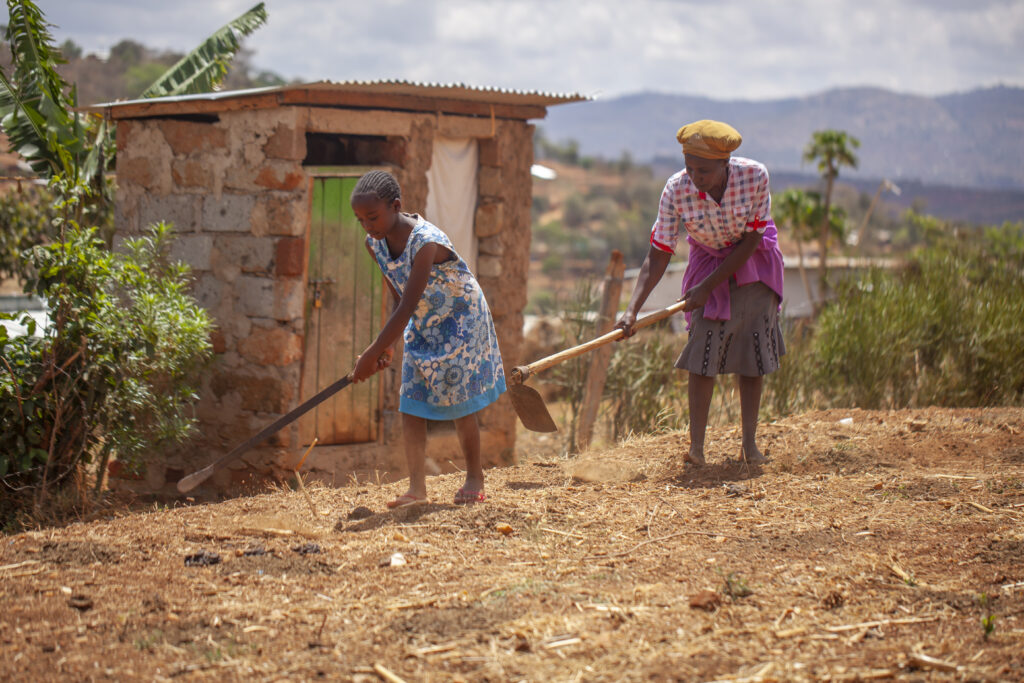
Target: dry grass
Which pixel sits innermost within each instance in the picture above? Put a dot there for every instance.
(860, 551)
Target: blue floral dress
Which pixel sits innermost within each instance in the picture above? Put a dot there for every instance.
(451, 365)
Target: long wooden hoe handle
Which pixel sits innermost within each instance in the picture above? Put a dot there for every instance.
(522, 373)
(191, 481)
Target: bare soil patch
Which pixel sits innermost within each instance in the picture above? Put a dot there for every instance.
(876, 547)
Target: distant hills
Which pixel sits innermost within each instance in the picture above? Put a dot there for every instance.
(971, 140)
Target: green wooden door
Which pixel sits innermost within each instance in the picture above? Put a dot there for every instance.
(343, 316)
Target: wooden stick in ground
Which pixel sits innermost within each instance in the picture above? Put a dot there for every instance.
(598, 372)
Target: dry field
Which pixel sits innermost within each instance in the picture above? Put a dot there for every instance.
(889, 546)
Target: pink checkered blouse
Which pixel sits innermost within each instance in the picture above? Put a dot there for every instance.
(746, 205)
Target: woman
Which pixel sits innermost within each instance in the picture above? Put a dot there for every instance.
(733, 280)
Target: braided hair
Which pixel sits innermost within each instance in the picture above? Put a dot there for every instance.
(380, 184)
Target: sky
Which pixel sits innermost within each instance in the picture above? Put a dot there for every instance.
(723, 49)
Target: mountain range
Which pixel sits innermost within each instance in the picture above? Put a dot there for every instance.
(972, 140)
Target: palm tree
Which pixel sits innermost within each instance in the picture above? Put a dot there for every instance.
(794, 207)
(832, 149)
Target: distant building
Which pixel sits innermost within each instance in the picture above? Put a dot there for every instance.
(796, 304)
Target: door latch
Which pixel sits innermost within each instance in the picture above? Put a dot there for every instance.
(318, 292)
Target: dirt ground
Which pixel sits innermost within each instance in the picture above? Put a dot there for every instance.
(872, 545)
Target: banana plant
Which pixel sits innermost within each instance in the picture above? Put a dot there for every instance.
(38, 107)
(36, 104)
(204, 69)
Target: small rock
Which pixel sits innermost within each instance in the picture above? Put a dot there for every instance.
(916, 425)
(80, 602)
(399, 536)
(707, 600)
(505, 529)
(254, 551)
(833, 600)
(361, 512)
(397, 560)
(202, 559)
(307, 549)
(735, 490)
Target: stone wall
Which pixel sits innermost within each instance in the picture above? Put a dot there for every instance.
(239, 197)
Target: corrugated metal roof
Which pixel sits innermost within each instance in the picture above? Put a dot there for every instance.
(452, 91)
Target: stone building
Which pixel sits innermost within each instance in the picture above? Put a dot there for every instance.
(256, 183)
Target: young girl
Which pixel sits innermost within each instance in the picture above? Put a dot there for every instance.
(451, 365)
(733, 279)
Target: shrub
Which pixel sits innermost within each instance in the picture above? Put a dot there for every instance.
(114, 372)
(943, 330)
(646, 391)
(571, 375)
(29, 217)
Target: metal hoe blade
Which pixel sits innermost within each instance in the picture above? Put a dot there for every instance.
(531, 409)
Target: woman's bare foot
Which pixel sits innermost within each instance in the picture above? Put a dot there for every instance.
(695, 457)
(752, 455)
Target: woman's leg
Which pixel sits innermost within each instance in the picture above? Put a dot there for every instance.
(469, 438)
(699, 390)
(414, 430)
(750, 405)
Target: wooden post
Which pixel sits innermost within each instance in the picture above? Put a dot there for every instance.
(598, 372)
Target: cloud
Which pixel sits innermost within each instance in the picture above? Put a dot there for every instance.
(733, 49)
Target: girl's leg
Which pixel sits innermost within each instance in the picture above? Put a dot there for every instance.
(469, 438)
(700, 390)
(750, 404)
(414, 430)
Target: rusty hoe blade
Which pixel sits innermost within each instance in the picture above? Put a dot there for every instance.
(528, 403)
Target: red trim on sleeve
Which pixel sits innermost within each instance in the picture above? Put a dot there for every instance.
(661, 247)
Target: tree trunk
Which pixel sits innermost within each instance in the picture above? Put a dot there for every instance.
(803, 274)
(823, 242)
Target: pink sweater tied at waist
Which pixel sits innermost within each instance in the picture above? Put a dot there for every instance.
(764, 265)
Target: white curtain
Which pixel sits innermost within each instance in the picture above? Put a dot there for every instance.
(451, 193)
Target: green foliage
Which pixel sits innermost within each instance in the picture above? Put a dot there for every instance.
(542, 303)
(117, 368)
(572, 374)
(645, 389)
(988, 619)
(26, 220)
(943, 330)
(831, 149)
(35, 105)
(574, 212)
(791, 388)
(206, 66)
(734, 585)
(28, 217)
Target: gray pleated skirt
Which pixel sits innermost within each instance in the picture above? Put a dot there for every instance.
(749, 343)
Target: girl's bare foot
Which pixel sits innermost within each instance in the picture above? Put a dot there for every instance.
(471, 492)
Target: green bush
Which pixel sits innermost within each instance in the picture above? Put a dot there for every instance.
(792, 388)
(571, 375)
(26, 220)
(646, 391)
(944, 330)
(115, 371)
